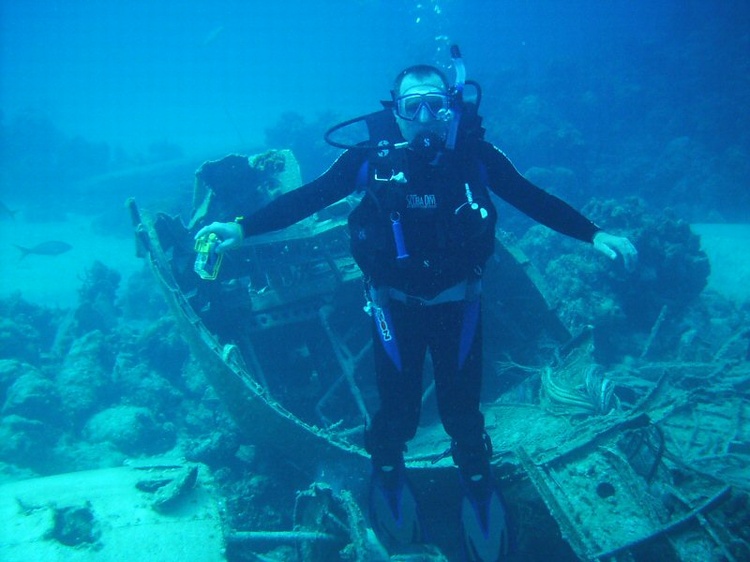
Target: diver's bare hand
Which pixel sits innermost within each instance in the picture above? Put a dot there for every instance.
(230, 234)
(611, 246)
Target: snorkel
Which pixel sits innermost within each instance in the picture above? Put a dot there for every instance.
(457, 98)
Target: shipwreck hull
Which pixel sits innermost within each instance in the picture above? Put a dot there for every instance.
(281, 338)
(235, 367)
(250, 404)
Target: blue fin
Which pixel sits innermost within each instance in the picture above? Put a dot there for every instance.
(394, 512)
(484, 524)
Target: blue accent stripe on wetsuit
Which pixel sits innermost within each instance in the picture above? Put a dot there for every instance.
(384, 326)
(468, 330)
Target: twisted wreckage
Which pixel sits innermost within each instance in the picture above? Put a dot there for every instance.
(646, 460)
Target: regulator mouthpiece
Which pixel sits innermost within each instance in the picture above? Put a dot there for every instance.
(427, 145)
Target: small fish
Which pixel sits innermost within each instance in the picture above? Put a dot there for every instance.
(6, 211)
(49, 248)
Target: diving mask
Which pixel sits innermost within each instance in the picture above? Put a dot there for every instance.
(409, 107)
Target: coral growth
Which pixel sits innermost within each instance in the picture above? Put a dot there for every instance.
(88, 386)
(622, 305)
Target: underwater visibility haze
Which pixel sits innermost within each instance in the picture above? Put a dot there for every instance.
(133, 391)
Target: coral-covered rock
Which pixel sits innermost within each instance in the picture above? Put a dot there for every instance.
(26, 443)
(145, 387)
(84, 381)
(587, 288)
(26, 330)
(19, 340)
(33, 397)
(141, 298)
(10, 371)
(131, 429)
(672, 269)
(72, 455)
(97, 308)
(216, 449)
(162, 346)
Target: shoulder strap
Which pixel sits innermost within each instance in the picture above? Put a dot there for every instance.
(363, 176)
(381, 126)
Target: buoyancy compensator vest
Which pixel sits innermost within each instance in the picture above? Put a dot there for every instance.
(426, 221)
(422, 226)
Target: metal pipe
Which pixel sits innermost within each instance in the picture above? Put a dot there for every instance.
(294, 537)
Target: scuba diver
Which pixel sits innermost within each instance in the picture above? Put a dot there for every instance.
(421, 235)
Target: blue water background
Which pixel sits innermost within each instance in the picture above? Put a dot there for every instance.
(212, 76)
(591, 99)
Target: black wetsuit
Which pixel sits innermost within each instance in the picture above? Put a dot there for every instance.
(405, 327)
